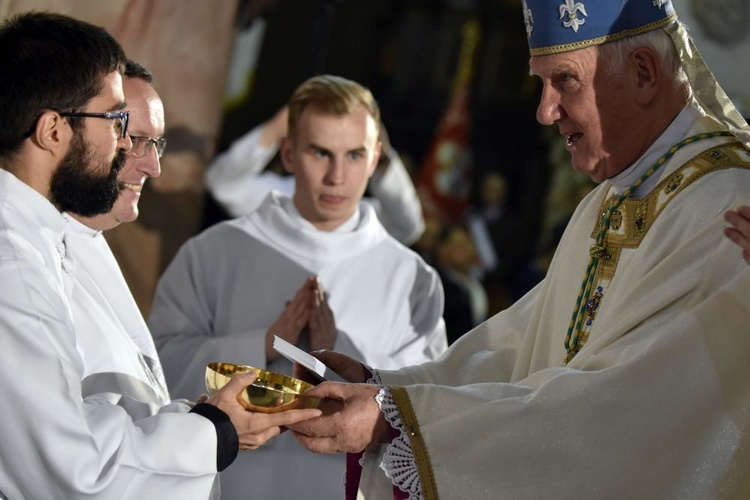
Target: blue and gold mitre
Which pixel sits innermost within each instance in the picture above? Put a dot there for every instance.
(554, 26)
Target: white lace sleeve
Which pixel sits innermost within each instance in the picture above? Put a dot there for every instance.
(398, 461)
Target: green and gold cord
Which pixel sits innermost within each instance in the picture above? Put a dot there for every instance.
(598, 250)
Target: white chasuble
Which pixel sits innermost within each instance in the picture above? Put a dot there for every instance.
(655, 404)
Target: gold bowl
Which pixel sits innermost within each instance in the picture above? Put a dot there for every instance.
(270, 393)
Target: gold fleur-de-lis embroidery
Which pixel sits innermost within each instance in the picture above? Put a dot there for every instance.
(572, 8)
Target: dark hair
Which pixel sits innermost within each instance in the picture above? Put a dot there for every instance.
(137, 70)
(447, 231)
(49, 62)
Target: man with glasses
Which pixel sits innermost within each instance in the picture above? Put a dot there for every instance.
(120, 119)
(85, 410)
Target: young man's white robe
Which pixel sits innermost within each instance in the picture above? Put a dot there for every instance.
(227, 286)
(63, 432)
(655, 405)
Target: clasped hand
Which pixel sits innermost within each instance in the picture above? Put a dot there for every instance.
(308, 309)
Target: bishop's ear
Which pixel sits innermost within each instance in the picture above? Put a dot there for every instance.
(648, 73)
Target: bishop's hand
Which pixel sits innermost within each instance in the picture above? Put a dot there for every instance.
(348, 368)
(351, 420)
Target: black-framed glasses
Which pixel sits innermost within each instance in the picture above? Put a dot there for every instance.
(120, 117)
(142, 145)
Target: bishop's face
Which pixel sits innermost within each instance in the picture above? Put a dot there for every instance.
(332, 157)
(595, 111)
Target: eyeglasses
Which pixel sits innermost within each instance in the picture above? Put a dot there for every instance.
(120, 117)
(142, 145)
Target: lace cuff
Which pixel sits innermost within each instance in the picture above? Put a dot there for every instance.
(398, 461)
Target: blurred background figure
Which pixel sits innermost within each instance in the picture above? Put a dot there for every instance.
(239, 179)
(719, 29)
(496, 233)
(466, 303)
(566, 189)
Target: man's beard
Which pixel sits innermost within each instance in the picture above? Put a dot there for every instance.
(78, 188)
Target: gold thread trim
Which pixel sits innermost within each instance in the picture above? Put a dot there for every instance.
(608, 266)
(568, 47)
(418, 446)
(628, 235)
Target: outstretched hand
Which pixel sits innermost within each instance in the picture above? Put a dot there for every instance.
(739, 229)
(254, 429)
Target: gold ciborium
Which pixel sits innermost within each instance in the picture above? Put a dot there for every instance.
(270, 393)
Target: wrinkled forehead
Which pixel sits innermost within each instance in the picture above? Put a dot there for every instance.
(555, 26)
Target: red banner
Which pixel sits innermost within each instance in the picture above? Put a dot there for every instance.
(444, 180)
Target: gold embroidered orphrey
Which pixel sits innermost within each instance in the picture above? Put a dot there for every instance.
(421, 458)
(632, 220)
